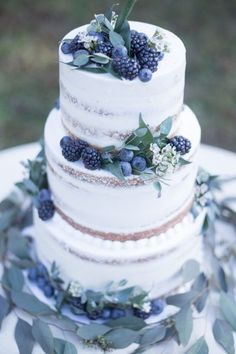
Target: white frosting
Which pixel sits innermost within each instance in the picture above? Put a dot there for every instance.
(154, 264)
(99, 108)
(117, 209)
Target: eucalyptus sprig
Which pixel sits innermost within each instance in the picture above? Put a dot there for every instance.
(16, 256)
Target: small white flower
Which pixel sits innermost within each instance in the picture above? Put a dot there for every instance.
(146, 307)
(75, 288)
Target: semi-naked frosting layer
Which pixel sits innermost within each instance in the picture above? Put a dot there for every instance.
(154, 264)
(103, 110)
(99, 202)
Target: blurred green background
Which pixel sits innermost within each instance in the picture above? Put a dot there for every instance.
(29, 35)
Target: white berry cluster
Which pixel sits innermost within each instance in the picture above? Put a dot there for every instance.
(75, 289)
(165, 160)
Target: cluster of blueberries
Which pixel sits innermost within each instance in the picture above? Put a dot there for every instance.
(39, 275)
(45, 205)
(142, 62)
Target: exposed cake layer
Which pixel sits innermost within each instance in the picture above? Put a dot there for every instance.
(103, 110)
(154, 264)
(98, 201)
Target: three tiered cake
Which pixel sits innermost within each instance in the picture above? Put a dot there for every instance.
(108, 228)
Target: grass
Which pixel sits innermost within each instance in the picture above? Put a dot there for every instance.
(30, 32)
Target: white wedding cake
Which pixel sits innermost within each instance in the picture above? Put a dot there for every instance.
(105, 228)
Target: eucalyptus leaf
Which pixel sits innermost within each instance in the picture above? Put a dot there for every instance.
(92, 331)
(132, 147)
(200, 347)
(17, 244)
(141, 132)
(153, 335)
(184, 162)
(180, 300)
(81, 60)
(115, 169)
(94, 70)
(219, 275)
(190, 270)
(115, 39)
(61, 346)
(129, 5)
(120, 338)
(157, 185)
(166, 126)
(43, 336)
(130, 322)
(4, 309)
(126, 34)
(100, 58)
(184, 324)
(228, 309)
(29, 303)
(223, 336)
(15, 278)
(24, 338)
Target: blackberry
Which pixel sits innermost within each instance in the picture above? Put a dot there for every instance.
(75, 44)
(126, 67)
(91, 158)
(141, 314)
(94, 315)
(104, 48)
(71, 151)
(77, 302)
(148, 58)
(181, 144)
(138, 41)
(81, 145)
(46, 210)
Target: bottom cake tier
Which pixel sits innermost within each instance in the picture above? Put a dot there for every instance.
(154, 263)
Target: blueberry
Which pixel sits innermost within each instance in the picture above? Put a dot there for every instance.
(32, 274)
(126, 168)
(117, 313)
(41, 269)
(160, 55)
(57, 103)
(139, 163)
(66, 48)
(145, 75)
(98, 35)
(65, 140)
(83, 52)
(44, 195)
(106, 314)
(119, 51)
(48, 290)
(126, 155)
(41, 282)
(157, 306)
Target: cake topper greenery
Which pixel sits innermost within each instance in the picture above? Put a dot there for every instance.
(122, 311)
(109, 46)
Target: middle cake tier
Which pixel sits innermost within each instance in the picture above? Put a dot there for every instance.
(99, 204)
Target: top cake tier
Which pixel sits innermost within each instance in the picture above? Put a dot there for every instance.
(104, 110)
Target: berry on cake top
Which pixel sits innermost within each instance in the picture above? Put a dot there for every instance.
(109, 45)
